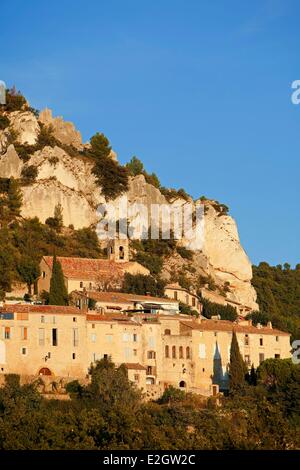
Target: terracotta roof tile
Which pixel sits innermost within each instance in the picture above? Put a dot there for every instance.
(52, 309)
(134, 366)
(226, 325)
(120, 297)
(89, 268)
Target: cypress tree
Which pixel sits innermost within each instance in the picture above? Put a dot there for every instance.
(58, 294)
(237, 367)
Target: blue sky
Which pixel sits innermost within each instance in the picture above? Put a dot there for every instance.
(199, 90)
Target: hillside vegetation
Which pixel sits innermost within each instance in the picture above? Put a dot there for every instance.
(278, 296)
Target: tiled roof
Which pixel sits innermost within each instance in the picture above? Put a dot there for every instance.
(226, 325)
(88, 268)
(120, 297)
(110, 318)
(52, 309)
(134, 366)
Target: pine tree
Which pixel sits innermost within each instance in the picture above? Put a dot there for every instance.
(58, 294)
(14, 196)
(237, 367)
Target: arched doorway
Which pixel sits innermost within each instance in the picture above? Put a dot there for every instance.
(45, 371)
(182, 384)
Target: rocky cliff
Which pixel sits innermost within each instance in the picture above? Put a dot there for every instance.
(66, 179)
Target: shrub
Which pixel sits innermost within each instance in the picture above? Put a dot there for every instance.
(15, 101)
(29, 173)
(24, 151)
(184, 252)
(45, 137)
(4, 122)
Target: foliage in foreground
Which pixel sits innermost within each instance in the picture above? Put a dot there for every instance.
(109, 414)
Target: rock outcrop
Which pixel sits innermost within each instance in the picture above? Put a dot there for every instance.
(63, 131)
(67, 180)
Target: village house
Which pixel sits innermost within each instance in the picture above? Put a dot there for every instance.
(105, 302)
(157, 350)
(90, 273)
(180, 294)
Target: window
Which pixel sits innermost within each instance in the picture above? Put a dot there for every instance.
(23, 351)
(167, 353)
(109, 338)
(81, 284)
(193, 301)
(151, 342)
(24, 332)
(93, 338)
(105, 356)
(180, 352)
(7, 332)
(215, 333)
(136, 377)
(43, 274)
(49, 355)
(261, 341)
(261, 357)
(91, 285)
(188, 353)
(277, 338)
(174, 352)
(247, 359)
(277, 356)
(53, 320)
(43, 319)
(93, 325)
(54, 336)
(135, 337)
(127, 353)
(73, 356)
(151, 355)
(135, 352)
(167, 332)
(75, 337)
(150, 370)
(74, 319)
(246, 340)
(41, 336)
(125, 337)
(202, 351)
(175, 295)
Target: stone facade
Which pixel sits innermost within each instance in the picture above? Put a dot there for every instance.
(159, 350)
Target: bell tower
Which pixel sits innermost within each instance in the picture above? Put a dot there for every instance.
(118, 250)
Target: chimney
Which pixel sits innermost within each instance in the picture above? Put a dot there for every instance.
(269, 325)
(259, 325)
(250, 322)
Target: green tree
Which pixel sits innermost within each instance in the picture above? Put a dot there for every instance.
(58, 294)
(14, 196)
(29, 271)
(100, 146)
(142, 284)
(237, 367)
(135, 166)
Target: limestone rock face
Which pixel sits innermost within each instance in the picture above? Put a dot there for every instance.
(41, 198)
(26, 125)
(64, 131)
(10, 164)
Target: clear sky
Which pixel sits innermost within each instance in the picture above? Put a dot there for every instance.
(199, 90)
